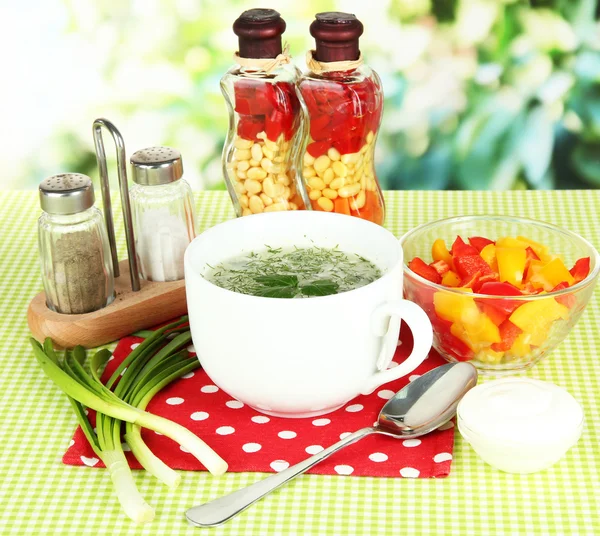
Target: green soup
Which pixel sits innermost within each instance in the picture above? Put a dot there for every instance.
(294, 272)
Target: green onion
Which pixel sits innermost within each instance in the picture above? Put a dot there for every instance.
(155, 363)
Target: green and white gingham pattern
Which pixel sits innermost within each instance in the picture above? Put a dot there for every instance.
(39, 495)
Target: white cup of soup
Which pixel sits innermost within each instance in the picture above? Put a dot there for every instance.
(299, 356)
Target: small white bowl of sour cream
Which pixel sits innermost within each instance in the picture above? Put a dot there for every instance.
(520, 425)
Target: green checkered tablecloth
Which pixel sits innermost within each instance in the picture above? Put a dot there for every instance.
(39, 495)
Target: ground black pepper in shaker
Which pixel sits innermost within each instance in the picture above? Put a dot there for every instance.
(77, 272)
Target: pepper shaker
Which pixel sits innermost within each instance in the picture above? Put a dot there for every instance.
(77, 272)
(163, 213)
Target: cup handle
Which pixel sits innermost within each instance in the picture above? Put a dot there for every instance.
(420, 325)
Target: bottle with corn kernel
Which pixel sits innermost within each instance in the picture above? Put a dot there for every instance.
(344, 99)
(261, 152)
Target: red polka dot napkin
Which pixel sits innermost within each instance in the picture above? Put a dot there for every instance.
(251, 441)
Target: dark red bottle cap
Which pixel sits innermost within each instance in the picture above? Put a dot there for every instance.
(259, 32)
(336, 35)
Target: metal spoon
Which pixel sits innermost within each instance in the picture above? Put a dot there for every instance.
(419, 408)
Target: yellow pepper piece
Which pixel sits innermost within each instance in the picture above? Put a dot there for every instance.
(540, 250)
(535, 317)
(489, 356)
(520, 348)
(511, 264)
(478, 333)
(534, 268)
(440, 252)
(509, 242)
(450, 279)
(459, 332)
(481, 329)
(488, 254)
(552, 274)
(453, 306)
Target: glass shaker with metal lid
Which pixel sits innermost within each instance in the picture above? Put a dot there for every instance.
(77, 272)
(163, 213)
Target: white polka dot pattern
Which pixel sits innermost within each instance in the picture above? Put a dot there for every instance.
(344, 469)
(279, 465)
(410, 472)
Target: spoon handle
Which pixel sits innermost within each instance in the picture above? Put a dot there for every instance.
(224, 508)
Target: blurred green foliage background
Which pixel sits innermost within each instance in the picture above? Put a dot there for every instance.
(480, 94)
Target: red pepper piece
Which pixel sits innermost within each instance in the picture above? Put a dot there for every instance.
(503, 306)
(508, 333)
(349, 145)
(317, 148)
(319, 127)
(581, 269)
(496, 288)
(449, 342)
(470, 280)
(531, 255)
(528, 288)
(285, 97)
(568, 300)
(493, 276)
(441, 267)
(419, 267)
(495, 315)
(279, 122)
(309, 99)
(468, 265)
(479, 242)
(460, 249)
(250, 125)
(253, 97)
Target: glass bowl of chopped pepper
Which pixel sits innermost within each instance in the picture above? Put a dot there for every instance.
(500, 291)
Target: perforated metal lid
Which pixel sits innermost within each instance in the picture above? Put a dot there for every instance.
(67, 193)
(156, 165)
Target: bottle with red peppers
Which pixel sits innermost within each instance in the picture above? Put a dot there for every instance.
(266, 127)
(344, 98)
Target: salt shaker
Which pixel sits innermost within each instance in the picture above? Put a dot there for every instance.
(77, 272)
(163, 213)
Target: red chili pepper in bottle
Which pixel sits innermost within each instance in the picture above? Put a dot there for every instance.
(261, 152)
(344, 100)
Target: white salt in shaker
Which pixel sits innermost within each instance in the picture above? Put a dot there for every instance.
(163, 213)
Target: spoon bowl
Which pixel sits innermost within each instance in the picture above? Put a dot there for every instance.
(417, 409)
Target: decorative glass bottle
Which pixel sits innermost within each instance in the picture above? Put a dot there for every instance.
(77, 271)
(344, 99)
(261, 152)
(162, 208)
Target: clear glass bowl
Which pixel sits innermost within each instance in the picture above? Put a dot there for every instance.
(550, 324)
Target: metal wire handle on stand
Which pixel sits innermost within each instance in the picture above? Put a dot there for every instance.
(105, 189)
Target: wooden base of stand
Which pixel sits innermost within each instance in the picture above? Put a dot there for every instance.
(131, 311)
